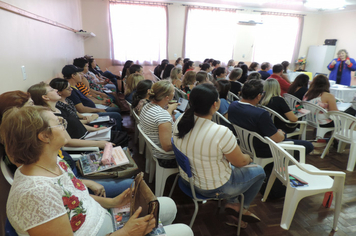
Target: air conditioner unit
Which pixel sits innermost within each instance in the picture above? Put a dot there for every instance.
(250, 22)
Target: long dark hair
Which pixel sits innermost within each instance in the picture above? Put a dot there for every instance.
(201, 98)
(300, 81)
(319, 85)
(158, 70)
(224, 87)
(285, 65)
(253, 66)
(141, 91)
(126, 67)
(220, 70)
(167, 71)
(187, 65)
(204, 66)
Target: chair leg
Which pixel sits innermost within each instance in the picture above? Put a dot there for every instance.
(160, 180)
(136, 134)
(141, 144)
(152, 169)
(270, 183)
(352, 158)
(174, 186)
(242, 200)
(327, 147)
(341, 147)
(194, 214)
(291, 202)
(338, 199)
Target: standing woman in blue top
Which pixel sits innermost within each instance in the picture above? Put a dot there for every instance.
(341, 68)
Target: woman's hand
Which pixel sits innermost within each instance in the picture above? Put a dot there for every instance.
(333, 62)
(172, 107)
(122, 199)
(139, 226)
(98, 189)
(101, 144)
(347, 62)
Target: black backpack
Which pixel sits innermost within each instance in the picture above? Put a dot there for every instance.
(278, 190)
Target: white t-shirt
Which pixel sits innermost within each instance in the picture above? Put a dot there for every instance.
(35, 200)
(205, 146)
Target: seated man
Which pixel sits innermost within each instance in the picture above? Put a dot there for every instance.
(265, 67)
(84, 104)
(245, 114)
(282, 79)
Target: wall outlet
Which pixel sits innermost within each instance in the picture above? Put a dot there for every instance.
(243, 55)
(23, 72)
(175, 56)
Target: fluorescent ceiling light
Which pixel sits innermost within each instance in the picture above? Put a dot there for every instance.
(325, 4)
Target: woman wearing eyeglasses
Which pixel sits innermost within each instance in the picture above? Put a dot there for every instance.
(47, 199)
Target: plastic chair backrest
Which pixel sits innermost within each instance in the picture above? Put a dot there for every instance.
(9, 176)
(154, 76)
(315, 110)
(232, 97)
(292, 101)
(136, 117)
(221, 120)
(246, 138)
(182, 160)
(274, 114)
(151, 145)
(344, 125)
(281, 159)
(181, 93)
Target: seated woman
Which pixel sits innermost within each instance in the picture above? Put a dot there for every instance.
(223, 88)
(202, 77)
(125, 70)
(188, 66)
(156, 121)
(140, 97)
(243, 77)
(131, 84)
(167, 71)
(213, 153)
(299, 86)
(188, 82)
(220, 73)
(176, 77)
(43, 95)
(234, 76)
(272, 99)
(319, 94)
(254, 66)
(206, 67)
(254, 75)
(47, 199)
(158, 71)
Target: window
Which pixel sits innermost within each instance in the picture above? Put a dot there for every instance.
(276, 39)
(139, 33)
(210, 33)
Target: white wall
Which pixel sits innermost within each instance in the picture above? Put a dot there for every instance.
(42, 48)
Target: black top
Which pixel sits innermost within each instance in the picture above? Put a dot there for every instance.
(279, 105)
(300, 93)
(75, 128)
(243, 79)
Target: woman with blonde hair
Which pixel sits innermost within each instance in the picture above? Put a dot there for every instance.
(156, 120)
(341, 68)
(131, 84)
(176, 75)
(272, 99)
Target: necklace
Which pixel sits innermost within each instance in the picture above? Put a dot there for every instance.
(47, 169)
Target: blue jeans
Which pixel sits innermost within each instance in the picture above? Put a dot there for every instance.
(247, 180)
(113, 187)
(113, 112)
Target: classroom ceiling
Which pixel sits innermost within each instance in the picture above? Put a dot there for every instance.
(282, 5)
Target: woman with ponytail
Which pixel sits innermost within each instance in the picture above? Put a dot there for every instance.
(210, 149)
(140, 97)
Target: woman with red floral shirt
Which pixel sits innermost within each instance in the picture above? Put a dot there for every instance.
(46, 198)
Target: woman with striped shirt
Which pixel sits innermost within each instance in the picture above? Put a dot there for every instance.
(219, 167)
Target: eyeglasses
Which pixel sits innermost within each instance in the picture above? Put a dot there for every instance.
(69, 88)
(62, 122)
(50, 90)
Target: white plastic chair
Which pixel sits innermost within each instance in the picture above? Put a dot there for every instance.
(221, 120)
(344, 131)
(318, 182)
(154, 76)
(180, 93)
(246, 138)
(9, 176)
(232, 97)
(301, 131)
(161, 173)
(312, 118)
(292, 101)
(138, 136)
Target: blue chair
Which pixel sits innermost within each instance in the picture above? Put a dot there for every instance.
(184, 165)
(9, 230)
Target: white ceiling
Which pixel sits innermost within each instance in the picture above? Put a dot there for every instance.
(280, 5)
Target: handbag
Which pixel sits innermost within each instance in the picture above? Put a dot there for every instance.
(142, 196)
(121, 102)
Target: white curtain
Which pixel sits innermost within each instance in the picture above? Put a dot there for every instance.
(210, 33)
(139, 33)
(278, 39)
